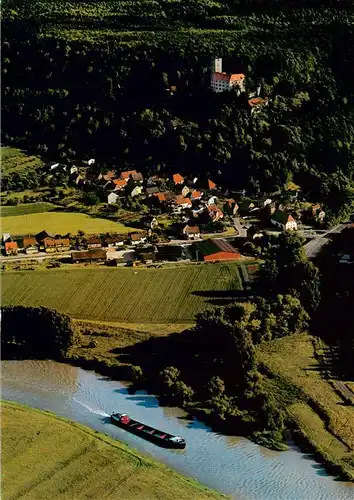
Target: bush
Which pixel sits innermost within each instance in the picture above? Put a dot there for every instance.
(93, 344)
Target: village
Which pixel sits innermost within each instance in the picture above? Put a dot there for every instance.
(182, 218)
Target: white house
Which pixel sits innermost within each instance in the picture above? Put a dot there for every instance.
(185, 191)
(73, 169)
(112, 198)
(221, 82)
(212, 200)
(284, 221)
(136, 191)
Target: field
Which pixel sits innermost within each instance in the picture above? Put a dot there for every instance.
(26, 209)
(126, 294)
(319, 412)
(13, 159)
(59, 223)
(46, 457)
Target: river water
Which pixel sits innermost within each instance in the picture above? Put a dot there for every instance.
(232, 465)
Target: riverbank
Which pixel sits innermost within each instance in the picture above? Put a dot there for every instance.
(307, 399)
(46, 456)
(298, 373)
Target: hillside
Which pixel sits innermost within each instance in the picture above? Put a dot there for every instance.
(95, 78)
(66, 460)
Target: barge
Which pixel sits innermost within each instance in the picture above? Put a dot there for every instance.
(149, 433)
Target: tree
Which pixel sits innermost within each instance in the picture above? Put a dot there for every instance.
(91, 198)
(216, 386)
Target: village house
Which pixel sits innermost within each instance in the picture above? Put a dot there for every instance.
(146, 254)
(150, 191)
(6, 237)
(89, 256)
(52, 245)
(126, 175)
(112, 198)
(137, 238)
(284, 221)
(212, 200)
(185, 191)
(196, 195)
(109, 176)
(150, 221)
(73, 170)
(215, 249)
(254, 234)
(211, 185)
(178, 179)
(137, 177)
(215, 213)
(136, 191)
(11, 248)
(257, 103)
(115, 241)
(183, 202)
(317, 213)
(94, 242)
(161, 197)
(221, 82)
(191, 232)
(119, 184)
(30, 245)
(230, 207)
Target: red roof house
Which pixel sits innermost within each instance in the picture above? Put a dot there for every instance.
(211, 185)
(11, 248)
(178, 179)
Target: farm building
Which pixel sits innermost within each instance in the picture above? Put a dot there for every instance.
(191, 232)
(89, 256)
(115, 241)
(94, 242)
(52, 245)
(11, 248)
(146, 254)
(30, 244)
(214, 249)
(178, 179)
(137, 238)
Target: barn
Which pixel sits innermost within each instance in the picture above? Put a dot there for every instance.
(215, 249)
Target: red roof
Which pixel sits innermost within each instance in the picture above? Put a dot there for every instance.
(11, 245)
(120, 183)
(211, 184)
(180, 200)
(191, 230)
(196, 195)
(256, 101)
(127, 174)
(227, 77)
(29, 241)
(160, 196)
(178, 179)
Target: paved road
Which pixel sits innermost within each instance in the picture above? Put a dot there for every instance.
(314, 246)
(242, 232)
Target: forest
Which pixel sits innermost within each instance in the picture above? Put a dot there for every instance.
(87, 79)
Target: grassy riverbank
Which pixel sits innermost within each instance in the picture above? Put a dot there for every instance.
(301, 382)
(44, 456)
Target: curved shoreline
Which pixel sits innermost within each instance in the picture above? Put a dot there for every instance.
(189, 485)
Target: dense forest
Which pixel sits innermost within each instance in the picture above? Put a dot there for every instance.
(89, 78)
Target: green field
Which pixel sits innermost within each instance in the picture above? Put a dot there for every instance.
(25, 209)
(60, 223)
(13, 159)
(45, 457)
(126, 294)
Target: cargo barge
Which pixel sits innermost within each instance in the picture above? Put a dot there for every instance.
(154, 435)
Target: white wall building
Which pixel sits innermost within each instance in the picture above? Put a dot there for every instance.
(221, 82)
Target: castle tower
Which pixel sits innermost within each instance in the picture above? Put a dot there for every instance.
(216, 66)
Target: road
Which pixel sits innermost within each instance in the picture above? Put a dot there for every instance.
(242, 232)
(314, 246)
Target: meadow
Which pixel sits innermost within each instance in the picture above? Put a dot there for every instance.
(25, 209)
(59, 223)
(124, 294)
(44, 456)
(15, 160)
(319, 412)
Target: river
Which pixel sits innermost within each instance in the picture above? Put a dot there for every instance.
(233, 465)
